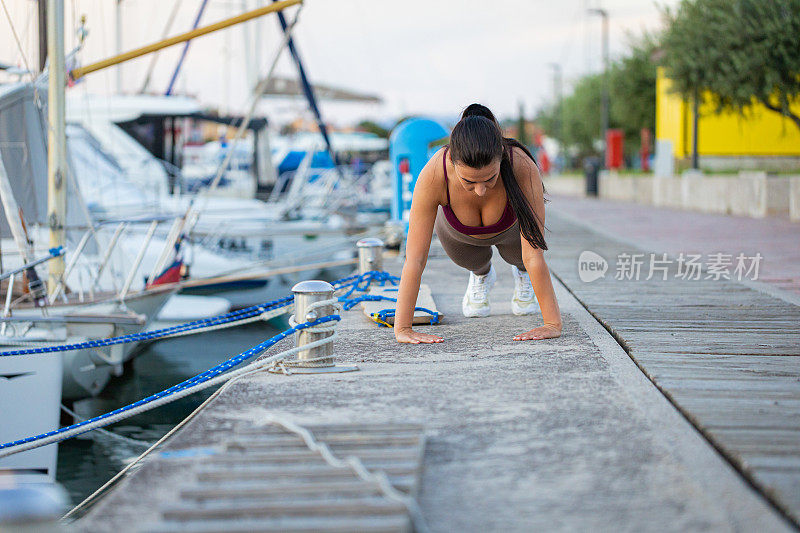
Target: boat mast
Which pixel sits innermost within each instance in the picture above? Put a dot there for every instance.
(56, 138)
(308, 89)
(185, 50)
(41, 8)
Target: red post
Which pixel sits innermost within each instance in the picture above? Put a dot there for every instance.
(614, 142)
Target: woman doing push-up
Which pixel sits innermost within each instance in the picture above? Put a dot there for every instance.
(480, 176)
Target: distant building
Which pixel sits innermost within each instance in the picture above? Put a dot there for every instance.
(762, 139)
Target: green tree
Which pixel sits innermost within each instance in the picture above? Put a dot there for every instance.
(633, 91)
(633, 102)
(372, 127)
(739, 51)
(580, 113)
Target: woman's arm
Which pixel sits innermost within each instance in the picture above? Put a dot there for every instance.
(530, 182)
(424, 205)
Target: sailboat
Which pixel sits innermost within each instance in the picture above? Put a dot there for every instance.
(49, 308)
(67, 304)
(242, 229)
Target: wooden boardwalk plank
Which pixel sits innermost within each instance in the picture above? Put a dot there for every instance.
(265, 478)
(728, 356)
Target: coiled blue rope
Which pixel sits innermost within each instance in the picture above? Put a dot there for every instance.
(385, 313)
(363, 282)
(349, 303)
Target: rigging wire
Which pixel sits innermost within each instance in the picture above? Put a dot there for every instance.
(154, 57)
(17, 40)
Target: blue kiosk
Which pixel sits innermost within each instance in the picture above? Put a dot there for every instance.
(409, 151)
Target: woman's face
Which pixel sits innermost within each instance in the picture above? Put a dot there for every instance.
(478, 180)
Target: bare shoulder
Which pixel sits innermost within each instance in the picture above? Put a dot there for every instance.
(431, 179)
(526, 172)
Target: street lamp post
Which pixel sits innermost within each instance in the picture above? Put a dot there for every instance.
(558, 127)
(557, 90)
(603, 13)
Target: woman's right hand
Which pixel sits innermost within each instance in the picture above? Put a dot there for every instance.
(410, 336)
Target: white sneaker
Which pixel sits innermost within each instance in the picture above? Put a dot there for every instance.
(476, 299)
(524, 300)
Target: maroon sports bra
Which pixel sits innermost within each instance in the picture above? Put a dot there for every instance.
(505, 222)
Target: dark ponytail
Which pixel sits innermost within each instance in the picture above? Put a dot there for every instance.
(477, 141)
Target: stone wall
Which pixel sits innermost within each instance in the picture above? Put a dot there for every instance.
(750, 193)
(566, 184)
(794, 202)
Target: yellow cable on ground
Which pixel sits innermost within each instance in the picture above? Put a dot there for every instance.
(375, 318)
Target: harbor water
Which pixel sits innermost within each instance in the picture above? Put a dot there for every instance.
(86, 463)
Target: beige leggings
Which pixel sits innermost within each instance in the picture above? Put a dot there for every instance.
(476, 254)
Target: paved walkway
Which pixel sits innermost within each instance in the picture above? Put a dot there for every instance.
(660, 229)
(560, 435)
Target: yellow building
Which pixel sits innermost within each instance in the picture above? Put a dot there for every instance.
(761, 133)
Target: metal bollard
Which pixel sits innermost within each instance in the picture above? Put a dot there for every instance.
(307, 293)
(370, 254)
(318, 359)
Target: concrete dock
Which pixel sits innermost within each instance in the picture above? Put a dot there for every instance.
(664, 406)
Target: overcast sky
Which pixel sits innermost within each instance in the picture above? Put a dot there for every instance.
(420, 56)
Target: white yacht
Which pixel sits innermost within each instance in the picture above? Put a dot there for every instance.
(232, 243)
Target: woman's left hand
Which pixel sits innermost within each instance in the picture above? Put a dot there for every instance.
(542, 332)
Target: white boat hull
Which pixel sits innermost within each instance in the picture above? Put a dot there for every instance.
(30, 396)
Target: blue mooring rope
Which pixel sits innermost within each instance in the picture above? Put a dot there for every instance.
(359, 282)
(362, 281)
(202, 323)
(158, 333)
(199, 378)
